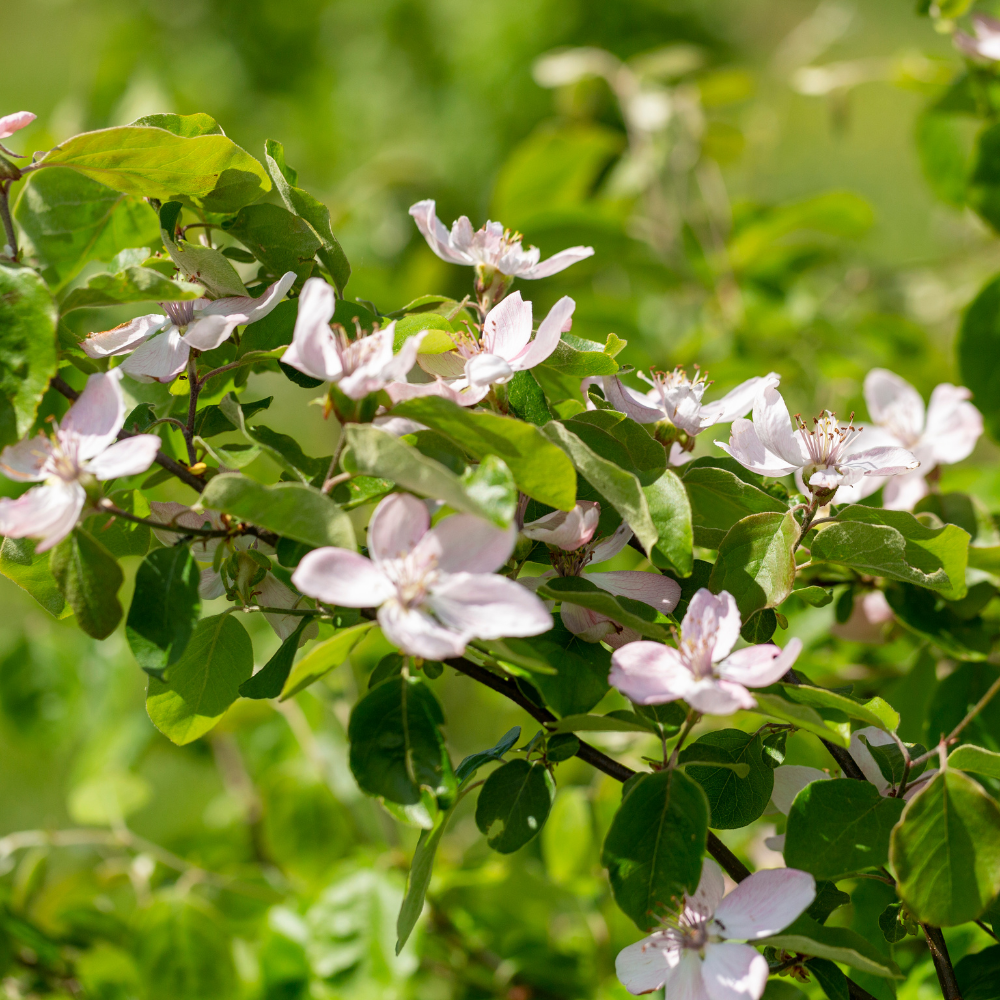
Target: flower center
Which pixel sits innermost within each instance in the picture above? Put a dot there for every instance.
(357, 353)
(413, 575)
(181, 314)
(828, 441)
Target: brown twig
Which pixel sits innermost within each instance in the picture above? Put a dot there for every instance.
(952, 737)
(942, 962)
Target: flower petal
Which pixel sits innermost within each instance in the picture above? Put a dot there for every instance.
(789, 780)
(206, 333)
(590, 626)
(122, 339)
(713, 619)
(746, 447)
(774, 428)
(507, 328)
(95, 419)
(465, 543)
(434, 231)
(901, 492)
(400, 365)
(737, 401)
(867, 620)
(159, 359)
(646, 965)
(459, 392)
(488, 607)
(568, 530)
(23, 462)
(171, 512)
(734, 972)
(654, 589)
(711, 889)
(863, 756)
(485, 369)
(758, 666)
(272, 593)
(399, 522)
(608, 548)
(633, 404)
(894, 405)
(10, 124)
(765, 903)
(247, 307)
(313, 349)
(650, 673)
(883, 461)
(719, 697)
(557, 262)
(48, 513)
(341, 577)
(954, 425)
(547, 338)
(126, 458)
(417, 633)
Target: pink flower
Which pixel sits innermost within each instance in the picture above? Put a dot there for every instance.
(160, 345)
(492, 247)
(434, 587)
(865, 760)
(10, 124)
(702, 670)
(986, 44)
(81, 451)
(695, 957)
(867, 620)
(568, 530)
(465, 375)
(789, 780)
(829, 456)
(946, 433)
(360, 366)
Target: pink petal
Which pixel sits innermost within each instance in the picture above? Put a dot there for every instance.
(608, 548)
(649, 673)
(416, 633)
(313, 349)
(734, 972)
(630, 402)
(568, 530)
(868, 617)
(23, 461)
(774, 428)
(588, 625)
(654, 589)
(95, 419)
(789, 780)
(48, 513)
(344, 578)
(248, 308)
(759, 666)
(122, 339)
(369, 357)
(686, 980)
(711, 889)
(621, 636)
(507, 328)
(433, 230)
(460, 393)
(10, 124)
(488, 607)
(719, 697)
(894, 404)
(210, 585)
(547, 338)
(737, 401)
(746, 447)
(465, 543)
(884, 461)
(485, 369)
(954, 425)
(712, 619)
(272, 593)
(207, 332)
(863, 756)
(399, 522)
(765, 903)
(171, 512)
(125, 458)
(558, 262)
(646, 965)
(159, 359)
(902, 492)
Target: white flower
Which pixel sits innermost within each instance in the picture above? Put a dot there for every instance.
(9, 124)
(946, 433)
(695, 957)
(81, 451)
(434, 588)
(360, 366)
(865, 760)
(829, 456)
(492, 247)
(986, 44)
(677, 398)
(566, 529)
(160, 345)
(505, 347)
(702, 670)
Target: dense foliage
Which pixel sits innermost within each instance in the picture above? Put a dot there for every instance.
(677, 629)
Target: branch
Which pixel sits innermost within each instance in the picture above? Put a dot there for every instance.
(106, 505)
(942, 962)
(954, 734)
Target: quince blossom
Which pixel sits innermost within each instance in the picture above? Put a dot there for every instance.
(702, 670)
(985, 44)
(694, 956)
(491, 248)
(869, 615)
(945, 433)
(465, 375)
(434, 588)
(9, 124)
(82, 450)
(567, 530)
(160, 345)
(829, 456)
(360, 366)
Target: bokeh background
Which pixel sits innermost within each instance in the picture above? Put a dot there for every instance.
(749, 174)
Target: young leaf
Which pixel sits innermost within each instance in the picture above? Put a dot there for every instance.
(526, 399)
(946, 851)
(203, 264)
(840, 826)
(165, 606)
(654, 847)
(134, 284)
(270, 679)
(204, 682)
(875, 712)
(321, 659)
(514, 804)
(280, 240)
(890, 761)
(580, 358)
(492, 486)
(186, 125)
(31, 573)
(469, 765)
(419, 878)
(89, 578)
(973, 758)
(671, 513)
(803, 717)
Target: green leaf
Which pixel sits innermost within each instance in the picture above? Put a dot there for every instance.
(321, 659)
(720, 498)
(185, 125)
(28, 317)
(204, 682)
(613, 722)
(815, 597)
(292, 510)
(165, 607)
(580, 358)
(831, 980)
(419, 878)
(203, 264)
(270, 679)
(120, 537)
(734, 800)
(760, 626)
(890, 760)
(978, 975)
(837, 944)
(955, 697)
(31, 573)
(756, 563)
(890, 923)
(526, 399)
(838, 827)
(492, 486)
(670, 511)
(134, 284)
(514, 804)
(875, 712)
(89, 578)
(615, 437)
(972, 758)
(654, 847)
(280, 240)
(154, 163)
(314, 212)
(946, 851)
(580, 591)
(894, 544)
(918, 610)
(469, 765)
(539, 468)
(396, 746)
(978, 350)
(802, 717)
(271, 331)
(67, 219)
(621, 489)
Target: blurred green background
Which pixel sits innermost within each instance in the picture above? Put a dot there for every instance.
(750, 181)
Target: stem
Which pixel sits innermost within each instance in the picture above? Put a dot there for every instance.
(807, 519)
(8, 222)
(219, 371)
(689, 724)
(973, 712)
(194, 387)
(298, 612)
(331, 479)
(942, 962)
(106, 505)
(983, 927)
(904, 750)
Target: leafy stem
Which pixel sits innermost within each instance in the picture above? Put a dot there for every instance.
(8, 222)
